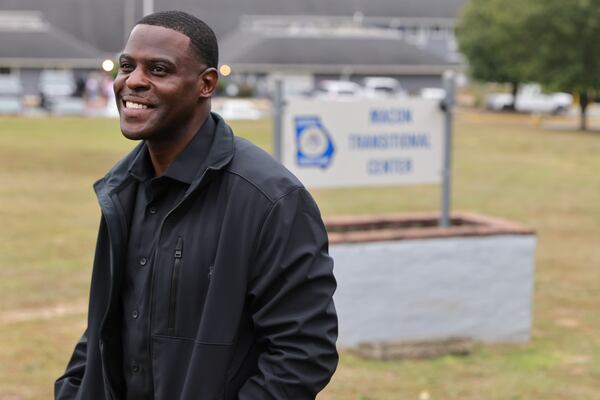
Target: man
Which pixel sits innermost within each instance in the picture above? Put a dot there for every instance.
(211, 278)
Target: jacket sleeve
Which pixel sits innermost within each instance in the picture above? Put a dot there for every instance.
(67, 386)
(290, 296)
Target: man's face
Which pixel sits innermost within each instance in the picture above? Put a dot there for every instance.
(158, 84)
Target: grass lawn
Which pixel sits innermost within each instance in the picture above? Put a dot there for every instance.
(503, 166)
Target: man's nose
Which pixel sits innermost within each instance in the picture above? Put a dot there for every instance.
(137, 79)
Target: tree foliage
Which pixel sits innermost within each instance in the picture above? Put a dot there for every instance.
(567, 52)
(492, 35)
(553, 42)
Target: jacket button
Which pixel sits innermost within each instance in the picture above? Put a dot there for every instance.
(143, 261)
(135, 314)
(135, 368)
(153, 210)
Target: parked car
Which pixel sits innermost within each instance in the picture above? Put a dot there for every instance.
(10, 105)
(72, 106)
(11, 91)
(10, 85)
(238, 109)
(56, 89)
(530, 98)
(56, 83)
(339, 90)
(432, 93)
(382, 87)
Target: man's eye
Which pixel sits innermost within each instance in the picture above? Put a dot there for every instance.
(126, 67)
(158, 69)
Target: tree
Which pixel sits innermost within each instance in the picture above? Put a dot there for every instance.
(492, 34)
(567, 52)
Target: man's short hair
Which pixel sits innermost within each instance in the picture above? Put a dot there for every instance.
(202, 38)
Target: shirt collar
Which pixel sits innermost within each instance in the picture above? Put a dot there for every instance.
(141, 167)
(186, 165)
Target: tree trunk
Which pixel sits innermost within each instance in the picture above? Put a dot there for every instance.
(515, 89)
(583, 103)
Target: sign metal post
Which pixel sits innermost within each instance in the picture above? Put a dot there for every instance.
(447, 163)
(277, 119)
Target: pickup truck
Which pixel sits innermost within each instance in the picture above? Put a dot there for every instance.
(531, 99)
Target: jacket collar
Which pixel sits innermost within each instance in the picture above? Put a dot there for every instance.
(219, 155)
(187, 163)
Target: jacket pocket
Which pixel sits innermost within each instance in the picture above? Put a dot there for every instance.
(177, 261)
(185, 369)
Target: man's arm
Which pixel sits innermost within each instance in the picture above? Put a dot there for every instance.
(291, 302)
(67, 386)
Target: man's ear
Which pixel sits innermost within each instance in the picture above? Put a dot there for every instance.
(207, 84)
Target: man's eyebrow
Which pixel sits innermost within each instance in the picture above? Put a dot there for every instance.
(168, 61)
(171, 63)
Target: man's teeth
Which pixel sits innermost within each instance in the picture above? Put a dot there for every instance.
(131, 104)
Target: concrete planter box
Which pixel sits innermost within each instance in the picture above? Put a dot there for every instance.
(401, 278)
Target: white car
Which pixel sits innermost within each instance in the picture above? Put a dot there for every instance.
(10, 105)
(531, 99)
(10, 95)
(232, 109)
(377, 87)
(10, 85)
(57, 83)
(338, 90)
(68, 106)
(432, 93)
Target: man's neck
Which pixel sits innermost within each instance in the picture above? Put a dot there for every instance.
(164, 152)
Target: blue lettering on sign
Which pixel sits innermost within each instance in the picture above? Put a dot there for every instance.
(389, 166)
(391, 116)
(389, 141)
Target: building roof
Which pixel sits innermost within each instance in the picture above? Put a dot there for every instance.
(362, 52)
(103, 23)
(27, 40)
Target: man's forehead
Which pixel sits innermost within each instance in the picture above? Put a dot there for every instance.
(157, 38)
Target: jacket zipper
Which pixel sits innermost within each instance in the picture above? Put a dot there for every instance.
(160, 229)
(177, 258)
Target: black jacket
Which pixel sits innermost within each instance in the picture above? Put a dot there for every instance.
(252, 311)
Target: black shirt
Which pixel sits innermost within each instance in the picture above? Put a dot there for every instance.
(155, 197)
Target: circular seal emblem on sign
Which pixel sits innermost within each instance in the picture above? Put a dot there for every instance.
(314, 144)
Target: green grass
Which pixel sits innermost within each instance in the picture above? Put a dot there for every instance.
(503, 166)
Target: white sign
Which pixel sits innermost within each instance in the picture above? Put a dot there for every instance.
(363, 142)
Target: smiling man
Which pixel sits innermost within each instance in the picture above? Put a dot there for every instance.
(211, 278)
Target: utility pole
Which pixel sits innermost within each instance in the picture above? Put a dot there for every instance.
(148, 7)
(129, 18)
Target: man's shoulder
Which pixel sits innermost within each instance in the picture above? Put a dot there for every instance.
(260, 170)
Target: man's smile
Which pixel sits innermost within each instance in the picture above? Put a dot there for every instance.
(136, 102)
(131, 104)
(135, 107)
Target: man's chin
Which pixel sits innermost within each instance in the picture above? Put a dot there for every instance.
(133, 133)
